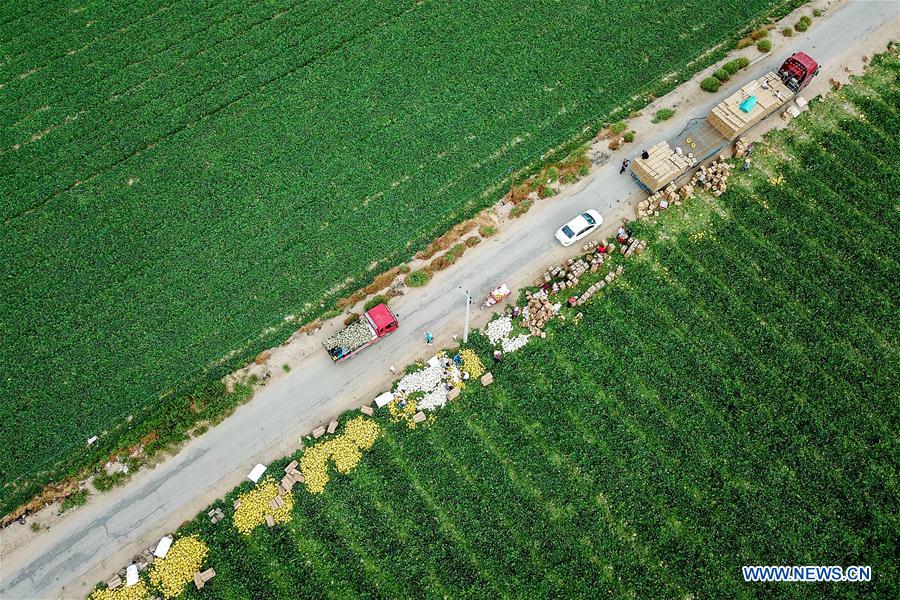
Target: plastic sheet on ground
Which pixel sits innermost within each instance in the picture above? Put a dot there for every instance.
(256, 473)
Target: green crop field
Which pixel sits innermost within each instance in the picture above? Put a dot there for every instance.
(184, 182)
(731, 401)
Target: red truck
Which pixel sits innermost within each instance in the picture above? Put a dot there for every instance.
(798, 70)
(668, 160)
(375, 323)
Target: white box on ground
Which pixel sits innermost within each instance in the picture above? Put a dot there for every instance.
(131, 575)
(383, 399)
(256, 473)
(162, 548)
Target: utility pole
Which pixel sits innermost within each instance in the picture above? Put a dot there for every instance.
(468, 303)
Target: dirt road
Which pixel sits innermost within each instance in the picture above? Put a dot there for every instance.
(99, 538)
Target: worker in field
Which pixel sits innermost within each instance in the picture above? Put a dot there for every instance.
(625, 164)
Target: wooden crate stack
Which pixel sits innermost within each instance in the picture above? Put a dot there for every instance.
(728, 118)
(539, 308)
(662, 166)
(685, 192)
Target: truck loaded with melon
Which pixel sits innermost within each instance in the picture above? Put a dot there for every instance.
(666, 161)
(375, 323)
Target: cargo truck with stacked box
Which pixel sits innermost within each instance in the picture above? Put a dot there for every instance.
(375, 323)
(668, 160)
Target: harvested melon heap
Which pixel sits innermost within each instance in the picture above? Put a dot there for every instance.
(256, 504)
(170, 574)
(344, 450)
(138, 591)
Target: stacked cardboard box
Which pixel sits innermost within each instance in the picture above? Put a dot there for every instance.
(540, 311)
(215, 515)
(740, 147)
(200, 579)
(728, 118)
(714, 177)
(610, 277)
(661, 166)
(662, 199)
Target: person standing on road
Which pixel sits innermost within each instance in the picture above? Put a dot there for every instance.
(625, 164)
(393, 370)
(429, 339)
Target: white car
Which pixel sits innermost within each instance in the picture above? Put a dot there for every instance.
(579, 227)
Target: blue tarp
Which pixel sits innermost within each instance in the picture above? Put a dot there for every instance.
(748, 104)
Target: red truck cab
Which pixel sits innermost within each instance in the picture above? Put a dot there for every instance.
(797, 71)
(382, 319)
